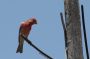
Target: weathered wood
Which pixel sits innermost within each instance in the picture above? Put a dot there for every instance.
(73, 28)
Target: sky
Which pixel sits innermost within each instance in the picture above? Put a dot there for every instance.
(47, 34)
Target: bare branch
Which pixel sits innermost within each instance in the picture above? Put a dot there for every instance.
(31, 44)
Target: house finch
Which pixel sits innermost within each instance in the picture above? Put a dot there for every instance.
(25, 28)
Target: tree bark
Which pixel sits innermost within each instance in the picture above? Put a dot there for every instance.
(73, 28)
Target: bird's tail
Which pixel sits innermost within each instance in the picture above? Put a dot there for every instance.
(20, 48)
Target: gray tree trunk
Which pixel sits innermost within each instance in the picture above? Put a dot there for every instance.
(73, 27)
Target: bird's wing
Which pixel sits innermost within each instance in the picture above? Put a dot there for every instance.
(21, 41)
(20, 29)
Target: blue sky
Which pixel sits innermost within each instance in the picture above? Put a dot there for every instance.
(47, 34)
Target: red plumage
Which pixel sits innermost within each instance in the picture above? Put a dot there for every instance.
(25, 28)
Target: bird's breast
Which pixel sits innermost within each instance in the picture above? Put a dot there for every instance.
(26, 30)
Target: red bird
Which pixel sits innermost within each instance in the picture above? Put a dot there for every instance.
(25, 29)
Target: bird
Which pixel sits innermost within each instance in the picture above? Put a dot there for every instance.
(25, 28)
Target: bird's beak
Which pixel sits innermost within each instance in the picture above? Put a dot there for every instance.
(35, 22)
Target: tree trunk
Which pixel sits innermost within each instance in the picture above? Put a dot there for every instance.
(73, 28)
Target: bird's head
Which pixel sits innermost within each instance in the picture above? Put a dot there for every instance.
(32, 20)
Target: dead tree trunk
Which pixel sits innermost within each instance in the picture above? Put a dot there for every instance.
(73, 28)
